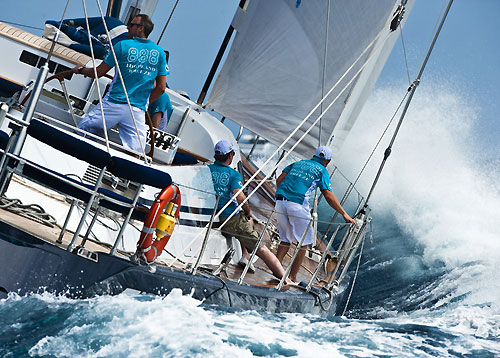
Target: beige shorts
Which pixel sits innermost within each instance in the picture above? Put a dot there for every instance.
(240, 227)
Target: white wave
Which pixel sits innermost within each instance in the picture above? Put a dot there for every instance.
(177, 326)
(432, 182)
(445, 195)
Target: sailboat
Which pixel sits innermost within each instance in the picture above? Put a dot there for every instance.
(297, 75)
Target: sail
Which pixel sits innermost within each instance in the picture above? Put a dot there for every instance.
(287, 54)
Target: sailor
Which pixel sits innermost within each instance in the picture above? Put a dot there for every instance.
(141, 63)
(294, 186)
(160, 112)
(227, 183)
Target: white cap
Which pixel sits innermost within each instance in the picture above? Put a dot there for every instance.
(223, 147)
(323, 152)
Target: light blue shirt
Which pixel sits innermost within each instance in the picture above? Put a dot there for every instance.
(303, 177)
(164, 106)
(226, 180)
(140, 61)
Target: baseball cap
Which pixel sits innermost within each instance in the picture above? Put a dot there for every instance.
(323, 152)
(223, 147)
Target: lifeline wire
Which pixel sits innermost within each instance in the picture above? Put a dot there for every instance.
(168, 20)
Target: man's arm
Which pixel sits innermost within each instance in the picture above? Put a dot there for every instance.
(334, 203)
(102, 69)
(280, 179)
(158, 89)
(156, 118)
(246, 207)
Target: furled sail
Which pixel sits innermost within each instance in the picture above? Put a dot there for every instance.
(287, 54)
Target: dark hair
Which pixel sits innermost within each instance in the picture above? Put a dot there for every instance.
(147, 23)
(222, 157)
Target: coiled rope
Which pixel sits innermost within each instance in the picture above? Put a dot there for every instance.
(31, 211)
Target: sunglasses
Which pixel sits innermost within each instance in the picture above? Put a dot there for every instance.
(132, 24)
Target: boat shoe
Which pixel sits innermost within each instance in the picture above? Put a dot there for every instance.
(243, 262)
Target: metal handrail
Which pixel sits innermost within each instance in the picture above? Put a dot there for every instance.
(205, 239)
(323, 258)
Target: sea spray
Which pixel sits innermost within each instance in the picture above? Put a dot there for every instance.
(435, 189)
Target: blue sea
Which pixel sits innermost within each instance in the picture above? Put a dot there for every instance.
(428, 284)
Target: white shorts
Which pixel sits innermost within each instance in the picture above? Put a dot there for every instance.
(117, 114)
(293, 219)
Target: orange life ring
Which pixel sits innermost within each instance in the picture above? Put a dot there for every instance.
(147, 250)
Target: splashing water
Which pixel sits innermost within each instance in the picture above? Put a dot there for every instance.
(435, 189)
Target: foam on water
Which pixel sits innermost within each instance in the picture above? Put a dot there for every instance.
(444, 196)
(177, 326)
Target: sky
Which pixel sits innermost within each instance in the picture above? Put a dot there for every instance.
(466, 56)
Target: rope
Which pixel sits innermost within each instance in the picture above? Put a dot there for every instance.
(355, 276)
(224, 285)
(31, 211)
(168, 20)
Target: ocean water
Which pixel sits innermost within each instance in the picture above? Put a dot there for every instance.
(428, 285)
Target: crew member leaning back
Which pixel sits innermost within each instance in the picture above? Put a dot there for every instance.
(294, 187)
(141, 62)
(227, 182)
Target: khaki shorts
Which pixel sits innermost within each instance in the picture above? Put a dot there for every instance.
(240, 227)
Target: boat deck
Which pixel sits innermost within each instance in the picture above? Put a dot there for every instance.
(262, 277)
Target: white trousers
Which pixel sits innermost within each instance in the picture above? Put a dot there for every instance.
(292, 220)
(117, 114)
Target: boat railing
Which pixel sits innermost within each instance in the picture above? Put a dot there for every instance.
(92, 195)
(342, 255)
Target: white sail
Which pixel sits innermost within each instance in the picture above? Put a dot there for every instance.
(287, 55)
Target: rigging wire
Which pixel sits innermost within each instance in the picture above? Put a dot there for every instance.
(56, 37)
(18, 24)
(325, 57)
(168, 20)
(380, 139)
(121, 80)
(404, 54)
(355, 275)
(96, 79)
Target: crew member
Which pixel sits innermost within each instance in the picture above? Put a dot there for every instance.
(295, 184)
(227, 183)
(141, 63)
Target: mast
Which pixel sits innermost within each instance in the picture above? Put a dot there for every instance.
(218, 58)
(114, 7)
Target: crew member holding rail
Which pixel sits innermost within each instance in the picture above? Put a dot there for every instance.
(295, 185)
